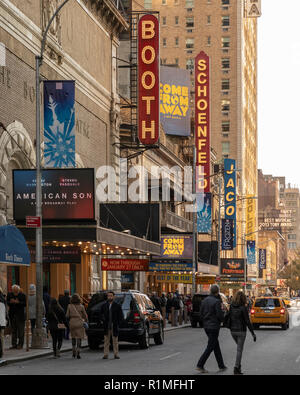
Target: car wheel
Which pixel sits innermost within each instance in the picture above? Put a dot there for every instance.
(144, 341)
(159, 337)
(284, 326)
(93, 343)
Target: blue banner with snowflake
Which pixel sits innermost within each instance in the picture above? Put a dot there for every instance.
(59, 124)
(204, 213)
(251, 253)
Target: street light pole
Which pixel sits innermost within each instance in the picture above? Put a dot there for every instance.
(39, 338)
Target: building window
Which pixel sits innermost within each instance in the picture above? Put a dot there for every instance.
(190, 64)
(189, 43)
(189, 3)
(164, 2)
(177, 61)
(148, 4)
(225, 21)
(190, 22)
(292, 246)
(176, 2)
(176, 41)
(225, 42)
(225, 148)
(292, 237)
(225, 63)
(176, 20)
(164, 20)
(225, 126)
(208, 19)
(225, 105)
(164, 42)
(225, 2)
(164, 61)
(225, 85)
(208, 40)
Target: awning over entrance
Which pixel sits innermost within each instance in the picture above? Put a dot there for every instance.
(13, 247)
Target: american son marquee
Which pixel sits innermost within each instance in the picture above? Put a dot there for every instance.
(148, 80)
(67, 194)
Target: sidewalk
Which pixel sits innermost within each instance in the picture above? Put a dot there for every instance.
(13, 356)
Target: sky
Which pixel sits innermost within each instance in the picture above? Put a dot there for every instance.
(279, 89)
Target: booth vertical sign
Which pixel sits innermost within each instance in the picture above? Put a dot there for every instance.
(202, 142)
(230, 193)
(59, 124)
(148, 80)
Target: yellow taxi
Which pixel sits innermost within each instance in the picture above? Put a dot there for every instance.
(287, 301)
(269, 310)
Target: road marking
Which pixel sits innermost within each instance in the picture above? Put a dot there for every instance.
(170, 356)
(298, 359)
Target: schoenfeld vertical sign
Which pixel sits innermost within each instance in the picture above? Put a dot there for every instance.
(202, 122)
(148, 80)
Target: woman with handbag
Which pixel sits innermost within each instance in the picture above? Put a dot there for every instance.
(57, 323)
(237, 320)
(78, 319)
(3, 321)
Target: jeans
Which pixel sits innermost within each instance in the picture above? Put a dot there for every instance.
(18, 328)
(239, 338)
(212, 346)
(1, 342)
(57, 339)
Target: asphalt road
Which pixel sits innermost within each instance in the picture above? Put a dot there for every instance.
(276, 352)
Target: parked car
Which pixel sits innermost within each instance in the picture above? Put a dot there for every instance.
(142, 321)
(269, 310)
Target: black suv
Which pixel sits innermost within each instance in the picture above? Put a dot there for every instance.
(195, 314)
(141, 319)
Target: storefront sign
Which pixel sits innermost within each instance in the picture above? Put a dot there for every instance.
(204, 208)
(170, 267)
(230, 193)
(176, 247)
(174, 278)
(233, 267)
(251, 253)
(148, 79)
(58, 254)
(175, 101)
(13, 248)
(250, 216)
(202, 122)
(262, 258)
(59, 124)
(129, 265)
(227, 234)
(67, 194)
(205, 280)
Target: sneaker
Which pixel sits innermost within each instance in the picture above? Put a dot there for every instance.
(201, 370)
(117, 357)
(223, 369)
(105, 357)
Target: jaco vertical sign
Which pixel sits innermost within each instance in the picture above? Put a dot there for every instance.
(230, 193)
(202, 122)
(148, 79)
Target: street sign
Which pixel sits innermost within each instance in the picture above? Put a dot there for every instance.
(33, 222)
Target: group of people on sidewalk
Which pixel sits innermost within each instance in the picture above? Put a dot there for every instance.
(175, 300)
(213, 313)
(64, 316)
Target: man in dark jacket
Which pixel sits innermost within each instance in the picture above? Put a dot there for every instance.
(156, 301)
(112, 316)
(16, 301)
(212, 316)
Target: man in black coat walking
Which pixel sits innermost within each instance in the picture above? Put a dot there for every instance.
(112, 316)
(16, 301)
(212, 316)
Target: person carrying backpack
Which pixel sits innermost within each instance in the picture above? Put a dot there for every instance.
(238, 321)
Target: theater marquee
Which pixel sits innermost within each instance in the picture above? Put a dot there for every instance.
(148, 80)
(202, 122)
